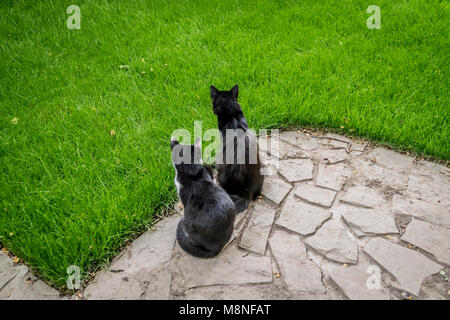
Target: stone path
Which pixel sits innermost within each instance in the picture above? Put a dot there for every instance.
(338, 219)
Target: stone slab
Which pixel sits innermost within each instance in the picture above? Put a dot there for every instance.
(140, 272)
(429, 237)
(333, 241)
(317, 195)
(231, 266)
(365, 221)
(300, 140)
(355, 282)
(362, 196)
(409, 267)
(333, 176)
(17, 283)
(296, 169)
(331, 156)
(430, 212)
(298, 272)
(275, 189)
(390, 159)
(255, 235)
(302, 217)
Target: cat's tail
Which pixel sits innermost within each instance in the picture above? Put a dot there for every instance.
(240, 203)
(190, 248)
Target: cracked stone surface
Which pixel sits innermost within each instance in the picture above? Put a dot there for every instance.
(353, 281)
(297, 169)
(434, 213)
(333, 176)
(330, 156)
(362, 196)
(255, 235)
(17, 283)
(334, 215)
(429, 237)
(302, 217)
(364, 221)
(275, 189)
(334, 242)
(390, 159)
(298, 272)
(315, 194)
(409, 267)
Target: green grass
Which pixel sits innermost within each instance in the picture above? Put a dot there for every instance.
(73, 194)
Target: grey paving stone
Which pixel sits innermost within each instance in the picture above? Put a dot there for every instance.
(302, 217)
(358, 146)
(429, 237)
(299, 139)
(355, 282)
(270, 164)
(233, 292)
(332, 142)
(148, 283)
(433, 213)
(16, 283)
(296, 169)
(239, 223)
(333, 241)
(362, 196)
(275, 148)
(275, 189)
(150, 249)
(255, 235)
(331, 156)
(297, 271)
(431, 189)
(365, 221)
(317, 195)
(386, 176)
(231, 266)
(333, 176)
(390, 159)
(409, 267)
(139, 273)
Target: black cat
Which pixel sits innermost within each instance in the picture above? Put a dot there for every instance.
(241, 179)
(209, 212)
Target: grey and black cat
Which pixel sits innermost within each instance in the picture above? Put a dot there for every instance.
(209, 212)
(241, 180)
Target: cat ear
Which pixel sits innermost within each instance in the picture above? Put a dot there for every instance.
(214, 92)
(234, 91)
(173, 142)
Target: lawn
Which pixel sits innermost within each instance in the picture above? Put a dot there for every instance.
(73, 191)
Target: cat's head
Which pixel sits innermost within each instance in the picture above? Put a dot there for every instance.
(186, 159)
(225, 104)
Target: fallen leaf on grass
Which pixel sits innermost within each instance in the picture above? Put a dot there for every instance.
(15, 120)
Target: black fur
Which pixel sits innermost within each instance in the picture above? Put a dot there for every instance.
(209, 212)
(242, 181)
